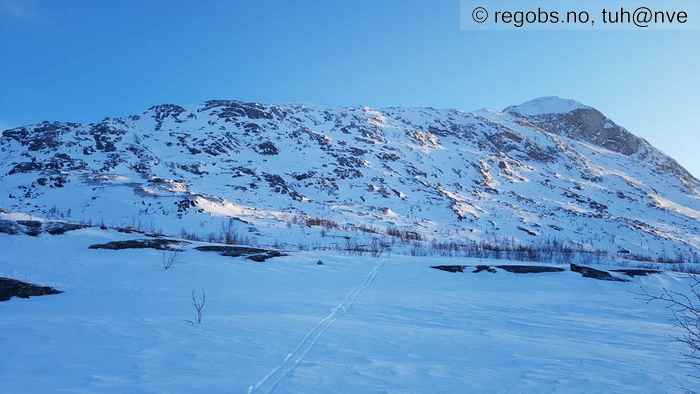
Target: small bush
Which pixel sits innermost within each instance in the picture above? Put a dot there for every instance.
(685, 308)
(325, 223)
(170, 258)
(199, 301)
(404, 235)
(184, 234)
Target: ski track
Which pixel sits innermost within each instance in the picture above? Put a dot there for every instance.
(272, 380)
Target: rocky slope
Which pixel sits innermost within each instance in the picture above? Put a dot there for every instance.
(547, 169)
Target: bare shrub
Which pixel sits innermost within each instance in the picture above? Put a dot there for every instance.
(377, 247)
(184, 234)
(228, 232)
(198, 303)
(418, 250)
(404, 235)
(367, 229)
(298, 220)
(55, 213)
(686, 316)
(689, 257)
(169, 259)
(353, 248)
(393, 231)
(325, 223)
(687, 268)
(547, 250)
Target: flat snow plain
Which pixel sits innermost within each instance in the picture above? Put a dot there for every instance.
(352, 325)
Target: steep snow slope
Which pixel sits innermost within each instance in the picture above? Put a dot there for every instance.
(352, 325)
(550, 168)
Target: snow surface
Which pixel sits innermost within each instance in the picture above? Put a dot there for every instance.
(352, 325)
(546, 105)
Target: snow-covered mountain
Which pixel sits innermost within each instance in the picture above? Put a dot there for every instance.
(546, 169)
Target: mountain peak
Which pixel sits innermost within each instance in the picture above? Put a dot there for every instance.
(546, 105)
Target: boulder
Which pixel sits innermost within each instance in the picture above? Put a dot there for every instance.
(632, 272)
(487, 268)
(529, 269)
(588, 272)
(158, 244)
(449, 268)
(14, 288)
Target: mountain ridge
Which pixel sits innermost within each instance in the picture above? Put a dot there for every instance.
(447, 174)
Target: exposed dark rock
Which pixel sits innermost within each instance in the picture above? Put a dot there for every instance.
(128, 230)
(350, 161)
(158, 244)
(535, 152)
(163, 111)
(25, 167)
(195, 169)
(518, 269)
(588, 124)
(14, 288)
(388, 156)
(230, 250)
(589, 272)
(106, 136)
(529, 269)
(632, 272)
(35, 227)
(9, 227)
(255, 254)
(598, 206)
(46, 136)
(449, 268)
(258, 258)
(31, 227)
(263, 257)
(267, 148)
(278, 185)
(241, 171)
(505, 141)
(304, 175)
(480, 268)
(184, 205)
(527, 230)
(58, 228)
(231, 109)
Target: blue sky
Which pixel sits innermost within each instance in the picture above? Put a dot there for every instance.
(85, 60)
